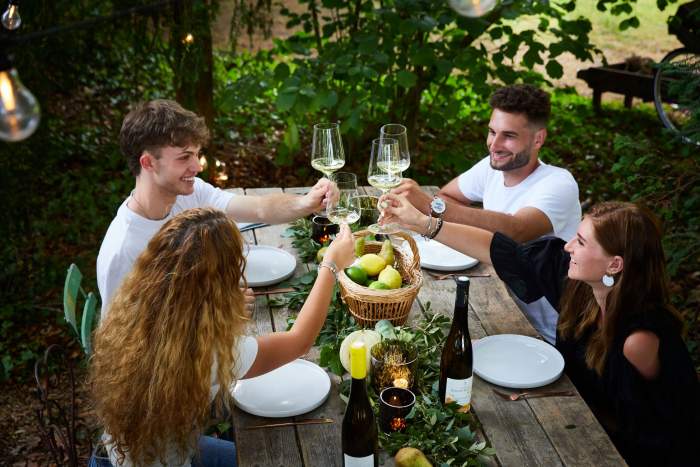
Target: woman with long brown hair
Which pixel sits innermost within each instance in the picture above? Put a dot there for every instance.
(618, 333)
(174, 340)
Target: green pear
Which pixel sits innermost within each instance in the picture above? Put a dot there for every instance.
(387, 252)
(411, 457)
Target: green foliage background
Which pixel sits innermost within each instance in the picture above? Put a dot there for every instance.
(411, 61)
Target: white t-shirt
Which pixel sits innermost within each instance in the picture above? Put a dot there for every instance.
(129, 234)
(246, 350)
(550, 189)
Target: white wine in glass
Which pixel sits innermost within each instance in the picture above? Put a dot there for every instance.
(327, 154)
(398, 132)
(343, 203)
(384, 173)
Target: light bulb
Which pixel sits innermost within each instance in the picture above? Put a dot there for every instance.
(472, 8)
(11, 19)
(19, 110)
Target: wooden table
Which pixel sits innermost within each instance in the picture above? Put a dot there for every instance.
(549, 431)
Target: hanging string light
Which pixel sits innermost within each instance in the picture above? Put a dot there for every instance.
(19, 110)
(473, 8)
(10, 18)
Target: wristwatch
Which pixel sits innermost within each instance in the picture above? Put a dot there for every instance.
(437, 207)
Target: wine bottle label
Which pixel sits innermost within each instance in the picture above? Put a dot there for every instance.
(459, 391)
(350, 461)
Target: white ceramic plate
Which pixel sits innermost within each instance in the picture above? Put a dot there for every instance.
(293, 389)
(267, 265)
(435, 255)
(516, 361)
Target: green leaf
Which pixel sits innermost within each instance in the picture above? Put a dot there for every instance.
(632, 22)
(554, 69)
(286, 100)
(281, 72)
(406, 79)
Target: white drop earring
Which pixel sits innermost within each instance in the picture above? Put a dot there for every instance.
(608, 281)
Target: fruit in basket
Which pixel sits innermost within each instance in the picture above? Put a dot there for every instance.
(372, 264)
(359, 246)
(320, 253)
(357, 275)
(387, 252)
(368, 336)
(376, 285)
(411, 457)
(390, 277)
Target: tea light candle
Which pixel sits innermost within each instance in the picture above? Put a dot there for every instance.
(394, 406)
(322, 229)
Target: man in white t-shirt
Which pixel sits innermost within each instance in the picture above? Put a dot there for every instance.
(161, 142)
(522, 196)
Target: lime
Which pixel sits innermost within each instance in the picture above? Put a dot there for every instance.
(356, 274)
(376, 285)
(390, 277)
(320, 253)
(372, 264)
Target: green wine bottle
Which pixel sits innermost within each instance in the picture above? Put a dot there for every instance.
(457, 359)
(359, 433)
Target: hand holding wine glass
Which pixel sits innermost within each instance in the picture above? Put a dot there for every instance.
(343, 202)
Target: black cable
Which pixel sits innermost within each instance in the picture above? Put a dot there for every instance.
(10, 41)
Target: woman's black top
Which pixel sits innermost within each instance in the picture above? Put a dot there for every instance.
(655, 422)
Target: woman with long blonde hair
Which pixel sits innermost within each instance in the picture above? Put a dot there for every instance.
(174, 340)
(619, 335)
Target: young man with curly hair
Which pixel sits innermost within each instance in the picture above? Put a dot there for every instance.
(522, 197)
(161, 142)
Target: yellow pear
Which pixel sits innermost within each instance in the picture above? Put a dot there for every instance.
(387, 252)
(411, 457)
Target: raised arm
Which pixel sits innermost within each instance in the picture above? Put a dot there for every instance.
(526, 224)
(278, 348)
(471, 241)
(278, 207)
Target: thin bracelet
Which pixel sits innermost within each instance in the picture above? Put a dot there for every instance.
(428, 228)
(437, 229)
(331, 267)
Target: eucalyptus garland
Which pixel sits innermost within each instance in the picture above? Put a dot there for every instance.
(445, 436)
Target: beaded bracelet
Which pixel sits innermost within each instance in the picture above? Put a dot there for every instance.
(331, 267)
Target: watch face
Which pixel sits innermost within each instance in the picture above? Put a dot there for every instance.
(437, 205)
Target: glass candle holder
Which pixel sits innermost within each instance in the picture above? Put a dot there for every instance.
(322, 229)
(394, 406)
(393, 364)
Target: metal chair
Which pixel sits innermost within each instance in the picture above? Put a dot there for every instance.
(57, 417)
(71, 291)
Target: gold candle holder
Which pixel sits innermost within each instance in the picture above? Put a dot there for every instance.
(393, 364)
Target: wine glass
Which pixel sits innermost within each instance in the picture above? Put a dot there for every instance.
(398, 132)
(327, 153)
(343, 204)
(384, 173)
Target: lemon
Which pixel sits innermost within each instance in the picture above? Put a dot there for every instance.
(367, 336)
(320, 253)
(356, 274)
(376, 285)
(372, 264)
(390, 277)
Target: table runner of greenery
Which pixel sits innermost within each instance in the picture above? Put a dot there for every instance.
(445, 435)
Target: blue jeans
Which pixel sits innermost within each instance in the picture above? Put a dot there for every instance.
(213, 452)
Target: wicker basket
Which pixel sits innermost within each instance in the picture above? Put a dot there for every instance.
(368, 305)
